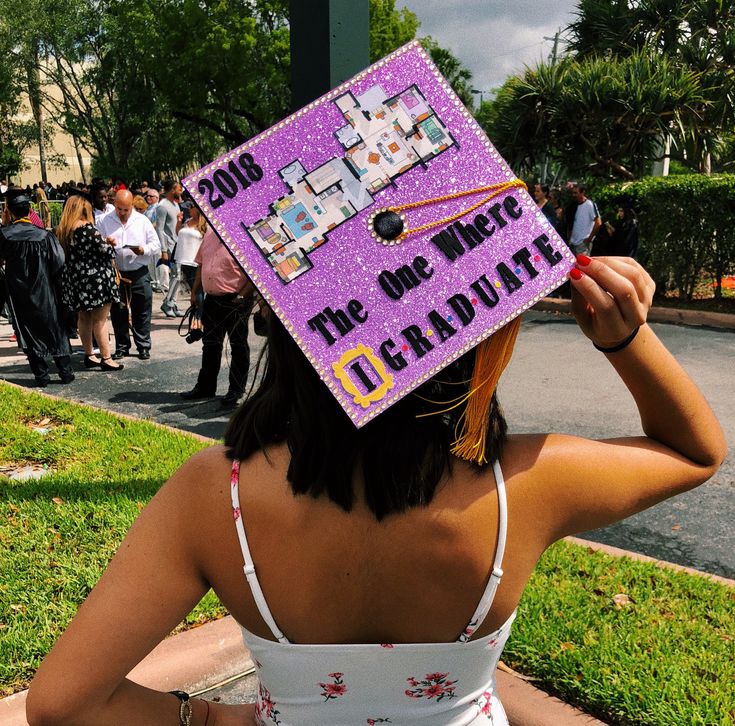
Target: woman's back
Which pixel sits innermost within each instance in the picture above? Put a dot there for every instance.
(336, 577)
(351, 585)
(330, 576)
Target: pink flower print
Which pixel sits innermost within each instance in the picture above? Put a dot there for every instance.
(484, 702)
(236, 513)
(266, 707)
(433, 685)
(492, 642)
(387, 645)
(373, 721)
(468, 632)
(432, 691)
(334, 690)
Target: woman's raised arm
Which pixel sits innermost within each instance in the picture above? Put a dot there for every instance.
(595, 483)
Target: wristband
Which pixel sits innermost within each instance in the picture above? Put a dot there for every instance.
(185, 709)
(619, 346)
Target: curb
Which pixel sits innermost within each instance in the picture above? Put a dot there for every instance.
(617, 552)
(701, 318)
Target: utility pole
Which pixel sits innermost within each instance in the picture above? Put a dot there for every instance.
(555, 49)
(330, 42)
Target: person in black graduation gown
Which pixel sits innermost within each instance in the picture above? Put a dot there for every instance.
(33, 262)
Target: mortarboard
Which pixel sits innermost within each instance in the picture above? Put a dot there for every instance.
(389, 236)
(16, 197)
(74, 192)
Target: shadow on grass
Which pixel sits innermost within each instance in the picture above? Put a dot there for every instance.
(71, 489)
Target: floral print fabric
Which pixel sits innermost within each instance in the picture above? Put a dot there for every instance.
(88, 279)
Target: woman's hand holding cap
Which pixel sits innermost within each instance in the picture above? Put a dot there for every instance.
(611, 297)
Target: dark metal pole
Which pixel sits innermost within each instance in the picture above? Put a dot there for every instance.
(330, 42)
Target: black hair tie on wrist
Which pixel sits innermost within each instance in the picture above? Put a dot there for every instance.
(619, 346)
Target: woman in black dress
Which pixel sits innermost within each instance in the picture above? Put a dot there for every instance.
(88, 279)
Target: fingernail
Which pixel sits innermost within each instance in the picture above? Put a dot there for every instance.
(583, 260)
(576, 274)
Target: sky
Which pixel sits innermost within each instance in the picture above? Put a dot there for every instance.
(493, 38)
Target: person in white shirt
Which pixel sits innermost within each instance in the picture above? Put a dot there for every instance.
(152, 198)
(586, 223)
(168, 214)
(136, 244)
(100, 202)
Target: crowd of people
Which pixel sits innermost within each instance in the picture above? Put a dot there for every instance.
(115, 245)
(111, 249)
(580, 225)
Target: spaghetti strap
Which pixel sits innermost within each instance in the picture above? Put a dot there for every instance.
(249, 568)
(486, 601)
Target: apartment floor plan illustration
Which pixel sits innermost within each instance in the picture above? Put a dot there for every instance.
(383, 138)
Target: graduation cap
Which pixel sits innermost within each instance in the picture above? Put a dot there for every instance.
(389, 237)
(74, 192)
(16, 197)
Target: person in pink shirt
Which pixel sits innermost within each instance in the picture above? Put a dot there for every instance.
(228, 300)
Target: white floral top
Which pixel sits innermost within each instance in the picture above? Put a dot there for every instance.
(432, 684)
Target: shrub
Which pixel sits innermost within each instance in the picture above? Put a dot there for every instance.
(686, 228)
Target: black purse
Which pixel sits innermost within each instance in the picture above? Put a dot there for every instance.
(260, 323)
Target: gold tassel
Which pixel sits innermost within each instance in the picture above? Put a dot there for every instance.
(492, 355)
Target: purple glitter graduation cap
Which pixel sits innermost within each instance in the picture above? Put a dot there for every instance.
(384, 230)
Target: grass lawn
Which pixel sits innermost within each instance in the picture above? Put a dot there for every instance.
(58, 533)
(627, 641)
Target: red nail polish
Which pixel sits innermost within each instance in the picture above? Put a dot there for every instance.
(583, 260)
(576, 274)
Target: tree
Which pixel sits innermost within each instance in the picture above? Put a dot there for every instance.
(390, 28)
(698, 35)
(167, 85)
(593, 116)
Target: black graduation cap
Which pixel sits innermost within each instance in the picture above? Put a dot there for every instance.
(15, 197)
(73, 191)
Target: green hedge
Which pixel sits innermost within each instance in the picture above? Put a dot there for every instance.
(686, 227)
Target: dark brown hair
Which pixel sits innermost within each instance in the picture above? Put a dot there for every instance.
(400, 458)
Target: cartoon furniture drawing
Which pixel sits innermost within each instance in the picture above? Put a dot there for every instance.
(383, 138)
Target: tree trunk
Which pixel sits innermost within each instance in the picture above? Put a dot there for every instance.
(705, 165)
(34, 97)
(78, 149)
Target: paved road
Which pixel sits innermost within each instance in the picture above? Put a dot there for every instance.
(556, 382)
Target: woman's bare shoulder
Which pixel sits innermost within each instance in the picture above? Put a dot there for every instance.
(210, 469)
